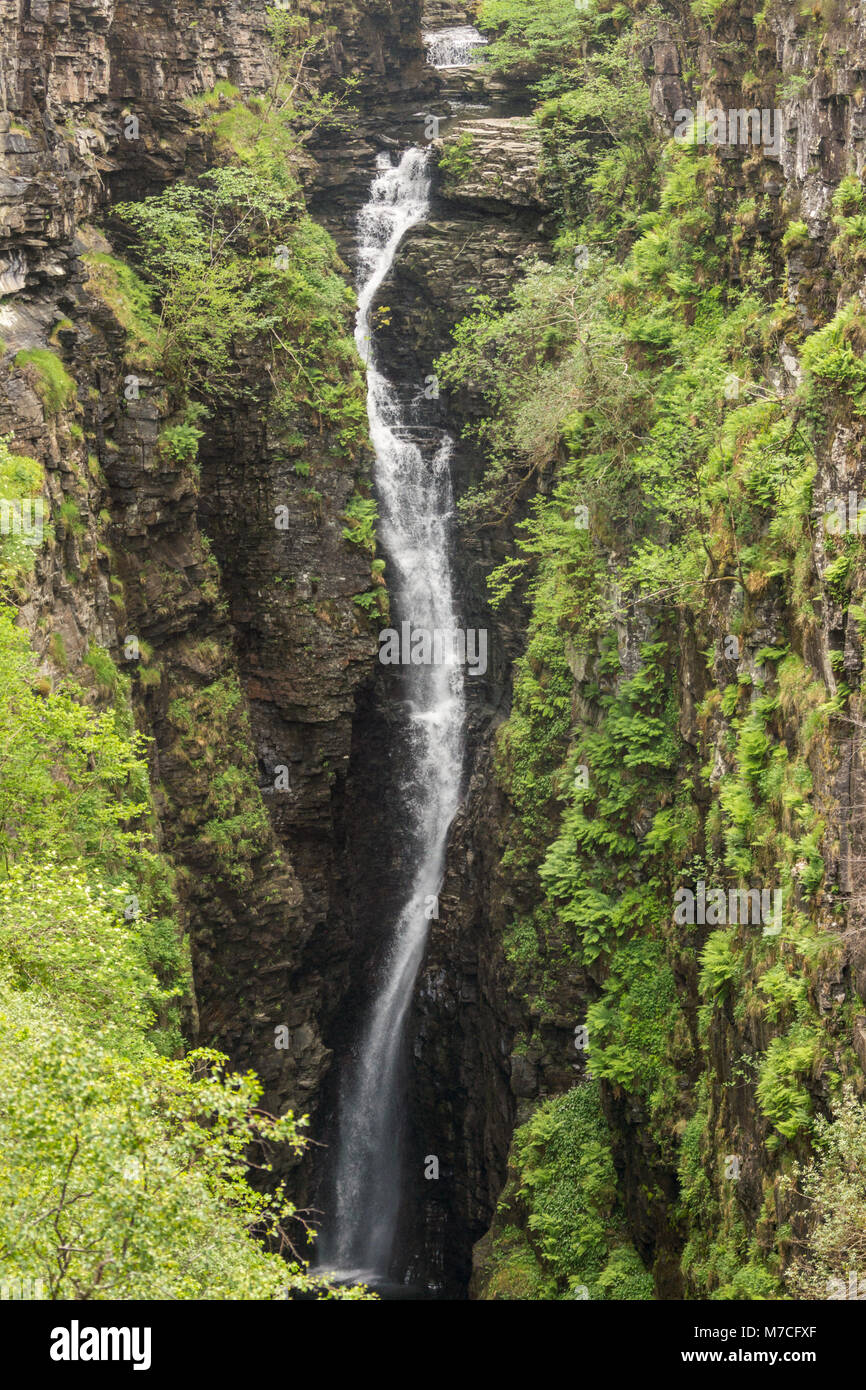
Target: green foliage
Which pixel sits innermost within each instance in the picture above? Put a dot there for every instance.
(796, 235)
(298, 44)
(565, 1183)
(125, 1179)
(64, 936)
(212, 285)
(600, 147)
(236, 264)
(374, 603)
(533, 743)
(124, 1172)
(833, 1187)
(71, 780)
(720, 968)
(599, 878)
(849, 208)
(832, 358)
(515, 1271)
(541, 39)
(456, 158)
(636, 389)
(632, 1024)
(52, 383)
(720, 1260)
(69, 514)
(180, 442)
(541, 366)
(213, 740)
(130, 300)
(361, 517)
(782, 1091)
(108, 679)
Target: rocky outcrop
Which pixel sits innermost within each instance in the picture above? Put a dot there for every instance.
(439, 14)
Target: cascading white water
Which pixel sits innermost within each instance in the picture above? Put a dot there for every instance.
(415, 504)
(456, 47)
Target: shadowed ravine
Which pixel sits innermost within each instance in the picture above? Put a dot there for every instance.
(415, 503)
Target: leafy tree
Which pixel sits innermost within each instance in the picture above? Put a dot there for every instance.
(71, 779)
(123, 1172)
(541, 40)
(193, 243)
(831, 1234)
(126, 1179)
(298, 45)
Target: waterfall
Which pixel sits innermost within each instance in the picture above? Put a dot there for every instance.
(413, 485)
(454, 47)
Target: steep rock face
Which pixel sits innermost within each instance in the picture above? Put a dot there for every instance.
(254, 649)
(258, 659)
(479, 235)
(817, 137)
(384, 42)
(439, 14)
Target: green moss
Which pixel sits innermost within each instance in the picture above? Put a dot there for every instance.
(150, 676)
(130, 300)
(70, 515)
(109, 681)
(513, 1271)
(62, 326)
(53, 384)
(215, 742)
(221, 92)
(57, 650)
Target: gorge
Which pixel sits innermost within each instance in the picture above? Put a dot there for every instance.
(415, 498)
(327, 321)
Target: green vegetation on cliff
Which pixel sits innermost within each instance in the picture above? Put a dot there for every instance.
(126, 1157)
(676, 711)
(124, 1170)
(560, 1231)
